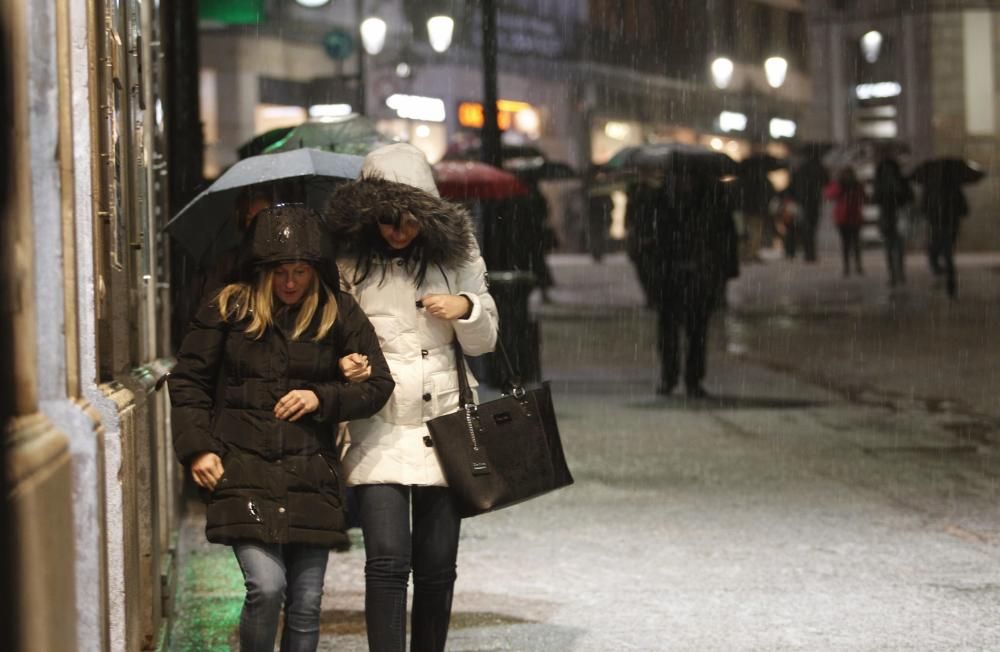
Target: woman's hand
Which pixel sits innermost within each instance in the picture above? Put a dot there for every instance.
(206, 470)
(296, 404)
(447, 306)
(355, 367)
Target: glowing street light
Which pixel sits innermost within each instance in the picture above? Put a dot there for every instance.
(871, 45)
(373, 34)
(775, 69)
(439, 31)
(722, 72)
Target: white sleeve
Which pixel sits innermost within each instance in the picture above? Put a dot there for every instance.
(478, 333)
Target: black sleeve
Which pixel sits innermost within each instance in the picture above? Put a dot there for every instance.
(192, 384)
(345, 401)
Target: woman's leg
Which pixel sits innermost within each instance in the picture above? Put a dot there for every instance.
(385, 520)
(435, 549)
(264, 575)
(306, 566)
(845, 247)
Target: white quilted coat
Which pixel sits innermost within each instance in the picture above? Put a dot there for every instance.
(389, 447)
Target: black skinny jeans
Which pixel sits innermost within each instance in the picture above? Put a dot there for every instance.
(392, 551)
(850, 245)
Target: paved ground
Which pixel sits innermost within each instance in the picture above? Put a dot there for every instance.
(838, 493)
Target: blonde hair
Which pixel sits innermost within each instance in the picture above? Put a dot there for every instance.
(239, 300)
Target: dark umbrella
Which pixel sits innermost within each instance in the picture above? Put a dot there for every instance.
(759, 164)
(945, 171)
(353, 134)
(671, 158)
(207, 224)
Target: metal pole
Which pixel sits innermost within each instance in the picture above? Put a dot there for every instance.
(490, 149)
(360, 16)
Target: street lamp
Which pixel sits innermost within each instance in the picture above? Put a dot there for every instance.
(871, 45)
(722, 72)
(775, 69)
(373, 35)
(439, 31)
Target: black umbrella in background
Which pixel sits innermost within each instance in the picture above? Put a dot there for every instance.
(947, 171)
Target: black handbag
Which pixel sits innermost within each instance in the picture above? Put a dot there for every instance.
(501, 452)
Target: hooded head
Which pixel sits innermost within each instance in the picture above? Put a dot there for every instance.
(397, 183)
(286, 233)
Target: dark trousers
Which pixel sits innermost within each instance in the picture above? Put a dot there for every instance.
(392, 550)
(893, 243)
(943, 235)
(807, 230)
(850, 245)
(686, 306)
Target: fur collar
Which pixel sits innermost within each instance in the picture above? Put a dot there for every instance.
(446, 237)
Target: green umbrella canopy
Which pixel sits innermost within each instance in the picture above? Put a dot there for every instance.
(352, 134)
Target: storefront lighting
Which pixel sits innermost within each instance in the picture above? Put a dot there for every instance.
(878, 90)
(716, 143)
(417, 107)
(527, 121)
(324, 112)
(722, 72)
(422, 131)
(373, 35)
(403, 70)
(871, 45)
(617, 130)
(775, 69)
(732, 121)
(470, 114)
(439, 31)
(312, 4)
(782, 128)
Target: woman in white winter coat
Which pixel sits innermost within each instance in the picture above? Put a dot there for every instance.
(411, 261)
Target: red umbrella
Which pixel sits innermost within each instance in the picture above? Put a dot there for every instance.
(464, 180)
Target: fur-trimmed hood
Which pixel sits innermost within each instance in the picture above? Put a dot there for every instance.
(446, 239)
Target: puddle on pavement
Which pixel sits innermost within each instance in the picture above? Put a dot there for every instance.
(341, 622)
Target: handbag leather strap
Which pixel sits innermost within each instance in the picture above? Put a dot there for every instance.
(465, 390)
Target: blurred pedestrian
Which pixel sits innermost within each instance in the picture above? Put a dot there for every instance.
(264, 448)
(892, 193)
(697, 251)
(411, 260)
(848, 197)
(756, 192)
(599, 207)
(944, 205)
(642, 198)
(806, 187)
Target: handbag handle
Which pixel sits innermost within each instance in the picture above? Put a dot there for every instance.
(465, 390)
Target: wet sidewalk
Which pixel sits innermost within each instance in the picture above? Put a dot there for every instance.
(823, 499)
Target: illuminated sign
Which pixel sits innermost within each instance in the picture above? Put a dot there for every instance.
(781, 128)
(732, 121)
(417, 107)
(470, 114)
(878, 90)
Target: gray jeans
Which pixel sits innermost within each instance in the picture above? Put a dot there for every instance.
(276, 576)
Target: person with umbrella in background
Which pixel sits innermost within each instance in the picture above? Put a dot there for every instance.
(806, 187)
(267, 369)
(848, 197)
(891, 192)
(944, 205)
(697, 244)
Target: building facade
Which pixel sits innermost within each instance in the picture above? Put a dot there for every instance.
(930, 88)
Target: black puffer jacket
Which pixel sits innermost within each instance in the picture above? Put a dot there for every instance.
(281, 481)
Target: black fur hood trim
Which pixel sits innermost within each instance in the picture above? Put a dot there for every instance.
(446, 239)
